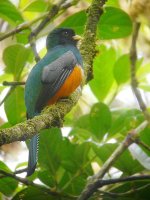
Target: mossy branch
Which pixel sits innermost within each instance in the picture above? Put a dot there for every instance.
(88, 46)
(51, 117)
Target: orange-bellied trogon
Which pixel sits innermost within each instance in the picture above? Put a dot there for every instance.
(57, 75)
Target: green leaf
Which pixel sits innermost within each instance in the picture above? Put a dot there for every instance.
(62, 160)
(22, 37)
(50, 142)
(122, 69)
(125, 120)
(114, 23)
(145, 138)
(125, 163)
(81, 134)
(7, 184)
(34, 194)
(100, 119)
(10, 13)
(103, 72)
(6, 77)
(74, 156)
(4, 167)
(36, 6)
(15, 58)
(76, 22)
(14, 106)
(46, 178)
(114, 3)
(76, 185)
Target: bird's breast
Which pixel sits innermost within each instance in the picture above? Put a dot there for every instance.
(73, 81)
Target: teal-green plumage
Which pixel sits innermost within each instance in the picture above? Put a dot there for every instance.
(48, 76)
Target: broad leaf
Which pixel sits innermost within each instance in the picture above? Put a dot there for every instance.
(10, 13)
(36, 6)
(75, 21)
(125, 163)
(122, 69)
(125, 120)
(100, 119)
(15, 107)
(114, 23)
(103, 72)
(7, 184)
(15, 58)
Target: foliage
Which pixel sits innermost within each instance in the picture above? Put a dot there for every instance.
(66, 162)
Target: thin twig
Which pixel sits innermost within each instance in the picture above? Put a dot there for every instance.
(134, 82)
(91, 186)
(19, 171)
(14, 83)
(101, 183)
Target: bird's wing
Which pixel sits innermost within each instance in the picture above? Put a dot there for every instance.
(53, 77)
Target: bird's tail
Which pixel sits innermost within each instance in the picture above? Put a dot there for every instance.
(33, 154)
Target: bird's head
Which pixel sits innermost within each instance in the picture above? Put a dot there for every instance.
(61, 36)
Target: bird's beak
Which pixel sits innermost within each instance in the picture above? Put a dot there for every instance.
(77, 37)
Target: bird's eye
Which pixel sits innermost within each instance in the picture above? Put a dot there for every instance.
(65, 33)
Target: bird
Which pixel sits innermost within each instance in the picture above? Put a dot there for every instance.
(57, 75)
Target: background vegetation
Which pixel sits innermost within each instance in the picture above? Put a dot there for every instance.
(107, 132)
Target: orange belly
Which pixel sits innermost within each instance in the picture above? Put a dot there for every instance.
(69, 86)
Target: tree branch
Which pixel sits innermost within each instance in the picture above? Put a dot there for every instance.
(101, 183)
(134, 82)
(91, 186)
(88, 45)
(27, 182)
(51, 117)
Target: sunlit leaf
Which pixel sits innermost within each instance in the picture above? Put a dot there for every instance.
(122, 69)
(103, 72)
(15, 107)
(15, 58)
(75, 21)
(114, 23)
(100, 118)
(9, 12)
(36, 6)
